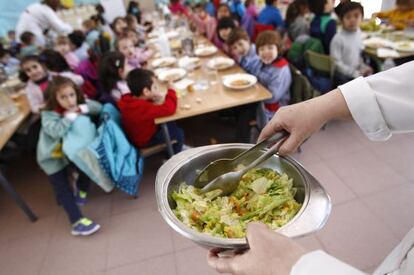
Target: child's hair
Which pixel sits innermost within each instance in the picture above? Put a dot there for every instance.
(317, 6)
(347, 7)
(54, 61)
(90, 23)
(130, 19)
(225, 23)
(108, 70)
(269, 38)
(270, 2)
(138, 79)
(57, 83)
(223, 5)
(113, 24)
(27, 38)
(199, 6)
(294, 10)
(237, 34)
(62, 40)
(77, 38)
(34, 58)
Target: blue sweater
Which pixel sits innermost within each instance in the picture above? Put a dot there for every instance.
(323, 28)
(270, 15)
(251, 61)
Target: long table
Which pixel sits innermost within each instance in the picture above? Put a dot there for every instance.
(215, 98)
(7, 128)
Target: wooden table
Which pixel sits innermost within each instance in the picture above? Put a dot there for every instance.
(7, 128)
(215, 98)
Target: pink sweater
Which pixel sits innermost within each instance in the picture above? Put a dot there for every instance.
(206, 26)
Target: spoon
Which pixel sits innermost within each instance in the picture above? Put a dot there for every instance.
(226, 179)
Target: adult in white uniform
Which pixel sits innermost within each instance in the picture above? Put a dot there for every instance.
(381, 105)
(40, 18)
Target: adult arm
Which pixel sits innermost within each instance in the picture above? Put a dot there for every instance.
(55, 22)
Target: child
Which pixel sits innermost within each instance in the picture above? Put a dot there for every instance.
(35, 74)
(135, 57)
(224, 27)
(56, 64)
(135, 26)
(13, 44)
(177, 8)
(274, 72)
(118, 26)
(62, 45)
(323, 26)
(91, 32)
(8, 63)
(270, 15)
(346, 46)
(251, 8)
(28, 46)
(64, 103)
(138, 110)
(401, 16)
(112, 70)
(206, 25)
(223, 10)
(237, 9)
(239, 43)
(78, 45)
(298, 19)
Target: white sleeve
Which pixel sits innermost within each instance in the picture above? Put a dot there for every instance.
(56, 23)
(383, 103)
(320, 263)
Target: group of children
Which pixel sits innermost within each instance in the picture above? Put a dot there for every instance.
(107, 64)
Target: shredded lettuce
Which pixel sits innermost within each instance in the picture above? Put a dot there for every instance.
(262, 195)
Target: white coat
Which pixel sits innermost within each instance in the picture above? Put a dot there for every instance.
(381, 104)
(39, 18)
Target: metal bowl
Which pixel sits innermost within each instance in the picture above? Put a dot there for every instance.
(316, 204)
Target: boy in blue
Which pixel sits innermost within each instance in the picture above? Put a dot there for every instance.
(270, 15)
(323, 26)
(274, 72)
(244, 50)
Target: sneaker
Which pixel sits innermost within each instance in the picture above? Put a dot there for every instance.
(80, 197)
(84, 227)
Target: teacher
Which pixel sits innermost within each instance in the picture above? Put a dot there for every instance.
(40, 19)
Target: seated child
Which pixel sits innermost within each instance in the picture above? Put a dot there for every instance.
(36, 75)
(112, 71)
(118, 26)
(401, 16)
(274, 72)
(135, 57)
(205, 24)
(133, 24)
(270, 15)
(78, 44)
(346, 46)
(298, 19)
(8, 63)
(244, 50)
(65, 102)
(323, 26)
(28, 46)
(62, 45)
(224, 27)
(139, 109)
(90, 27)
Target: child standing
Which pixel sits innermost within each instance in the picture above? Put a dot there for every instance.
(62, 45)
(244, 50)
(274, 72)
(112, 70)
(138, 110)
(64, 104)
(206, 25)
(346, 46)
(323, 26)
(401, 16)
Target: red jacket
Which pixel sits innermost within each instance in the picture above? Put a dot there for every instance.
(138, 116)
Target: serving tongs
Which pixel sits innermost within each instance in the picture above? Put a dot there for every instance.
(221, 174)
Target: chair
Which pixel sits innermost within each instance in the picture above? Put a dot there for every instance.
(320, 71)
(300, 89)
(154, 149)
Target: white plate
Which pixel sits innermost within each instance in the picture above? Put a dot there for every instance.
(205, 51)
(220, 63)
(170, 34)
(404, 46)
(377, 42)
(172, 75)
(187, 61)
(229, 81)
(163, 62)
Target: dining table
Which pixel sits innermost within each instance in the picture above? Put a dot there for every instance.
(8, 127)
(216, 97)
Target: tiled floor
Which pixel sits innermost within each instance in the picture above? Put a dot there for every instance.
(371, 185)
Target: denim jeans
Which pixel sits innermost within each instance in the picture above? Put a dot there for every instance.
(175, 132)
